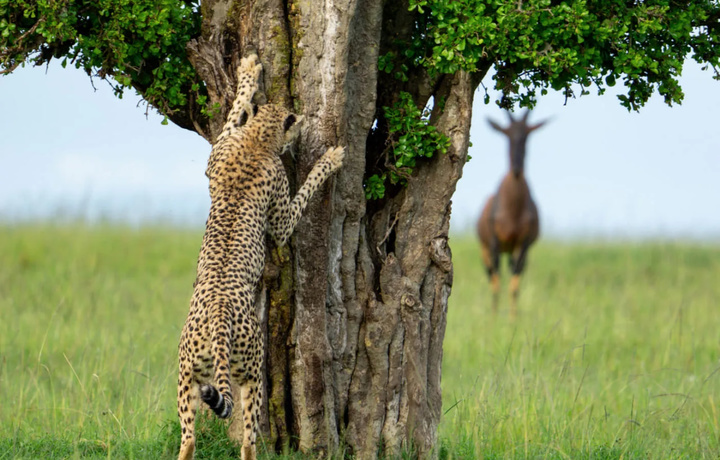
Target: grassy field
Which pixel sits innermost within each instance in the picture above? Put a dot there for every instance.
(615, 353)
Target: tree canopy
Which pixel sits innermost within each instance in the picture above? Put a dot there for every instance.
(140, 44)
(533, 44)
(536, 44)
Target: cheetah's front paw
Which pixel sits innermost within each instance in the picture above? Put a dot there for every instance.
(334, 157)
(250, 66)
(248, 73)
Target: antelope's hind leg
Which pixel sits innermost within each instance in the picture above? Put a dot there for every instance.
(517, 265)
(491, 259)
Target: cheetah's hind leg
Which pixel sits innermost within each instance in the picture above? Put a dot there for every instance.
(188, 395)
(245, 422)
(251, 397)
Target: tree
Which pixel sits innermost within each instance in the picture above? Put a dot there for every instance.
(355, 307)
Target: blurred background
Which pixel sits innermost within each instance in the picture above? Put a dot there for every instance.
(596, 171)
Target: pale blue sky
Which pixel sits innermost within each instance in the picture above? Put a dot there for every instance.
(595, 169)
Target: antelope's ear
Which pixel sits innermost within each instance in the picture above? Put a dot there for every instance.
(496, 126)
(537, 125)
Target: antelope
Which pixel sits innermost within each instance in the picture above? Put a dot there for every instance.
(509, 221)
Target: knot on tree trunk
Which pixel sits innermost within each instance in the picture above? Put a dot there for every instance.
(409, 301)
(440, 254)
(410, 296)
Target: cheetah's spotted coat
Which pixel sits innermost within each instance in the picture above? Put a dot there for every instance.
(221, 343)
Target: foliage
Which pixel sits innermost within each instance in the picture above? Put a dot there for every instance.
(411, 137)
(612, 356)
(140, 43)
(534, 44)
(541, 44)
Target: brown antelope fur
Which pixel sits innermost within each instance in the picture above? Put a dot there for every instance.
(509, 221)
(221, 346)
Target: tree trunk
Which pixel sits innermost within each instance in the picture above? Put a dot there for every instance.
(355, 307)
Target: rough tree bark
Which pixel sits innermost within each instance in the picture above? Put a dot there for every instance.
(355, 308)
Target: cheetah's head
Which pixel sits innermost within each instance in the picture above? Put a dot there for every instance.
(275, 126)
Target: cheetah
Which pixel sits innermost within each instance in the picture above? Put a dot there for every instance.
(221, 345)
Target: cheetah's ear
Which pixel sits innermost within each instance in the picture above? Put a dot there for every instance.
(292, 124)
(289, 121)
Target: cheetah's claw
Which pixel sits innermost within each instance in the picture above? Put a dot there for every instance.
(334, 156)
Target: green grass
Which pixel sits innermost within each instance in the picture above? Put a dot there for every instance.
(614, 354)
(91, 320)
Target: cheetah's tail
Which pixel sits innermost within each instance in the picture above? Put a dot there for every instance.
(216, 401)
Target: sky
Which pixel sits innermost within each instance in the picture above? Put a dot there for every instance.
(68, 151)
